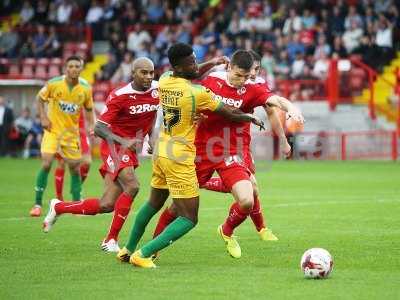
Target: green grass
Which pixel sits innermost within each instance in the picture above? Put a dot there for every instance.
(350, 208)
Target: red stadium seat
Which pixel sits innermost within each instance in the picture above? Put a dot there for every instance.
(14, 71)
(29, 61)
(56, 61)
(54, 71)
(101, 87)
(27, 71)
(99, 96)
(43, 61)
(41, 72)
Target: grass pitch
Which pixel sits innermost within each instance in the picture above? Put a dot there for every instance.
(350, 208)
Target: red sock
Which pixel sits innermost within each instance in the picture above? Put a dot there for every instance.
(236, 217)
(121, 211)
(215, 184)
(165, 219)
(84, 171)
(256, 214)
(90, 206)
(59, 182)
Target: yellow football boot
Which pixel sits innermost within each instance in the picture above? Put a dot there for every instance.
(267, 235)
(139, 261)
(232, 246)
(123, 255)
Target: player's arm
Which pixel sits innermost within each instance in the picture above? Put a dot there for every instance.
(103, 131)
(90, 120)
(236, 115)
(277, 128)
(208, 65)
(285, 105)
(41, 100)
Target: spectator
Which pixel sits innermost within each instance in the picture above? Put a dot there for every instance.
(384, 34)
(293, 23)
(322, 46)
(209, 35)
(338, 48)
(137, 38)
(34, 139)
(226, 45)
(41, 11)
(352, 36)
(8, 43)
(64, 11)
(26, 48)
(199, 49)
(298, 66)
(6, 125)
(234, 27)
(39, 41)
(183, 33)
(52, 45)
(308, 20)
(154, 11)
(353, 17)
(95, 13)
(27, 13)
(336, 22)
(123, 73)
(52, 13)
(108, 69)
(24, 124)
(282, 68)
(294, 47)
(321, 66)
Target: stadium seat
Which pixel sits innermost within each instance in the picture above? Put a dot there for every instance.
(57, 61)
(41, 72)
(54, 70)
(27, 71)
(43, 61)
(99, 96)
(29, 61)
(14, 71)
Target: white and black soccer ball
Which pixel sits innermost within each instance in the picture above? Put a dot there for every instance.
(316, 263)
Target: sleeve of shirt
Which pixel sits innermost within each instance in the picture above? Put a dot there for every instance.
(45, 92)
(88, 104)
(111, 110)
(205, 99)
(262, 94)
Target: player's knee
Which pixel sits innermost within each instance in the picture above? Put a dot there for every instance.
(246, 202)
(106, 206)
(46, 165)
(132, 187)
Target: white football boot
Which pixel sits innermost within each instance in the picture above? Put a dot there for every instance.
(51, 216)
(110, 246)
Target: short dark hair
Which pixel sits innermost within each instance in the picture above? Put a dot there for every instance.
(255, 55)
(74, 57)
(178, 51)
(242, 59)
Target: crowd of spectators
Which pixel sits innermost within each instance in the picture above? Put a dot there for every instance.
(295, 38)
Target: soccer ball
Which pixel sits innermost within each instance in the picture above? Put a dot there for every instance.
(316, 263)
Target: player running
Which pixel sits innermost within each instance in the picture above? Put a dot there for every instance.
(126, 120)
(64, 97)
(173, 163)
(85, 161)
(220, 145)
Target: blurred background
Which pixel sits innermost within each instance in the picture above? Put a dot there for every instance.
(339, 61)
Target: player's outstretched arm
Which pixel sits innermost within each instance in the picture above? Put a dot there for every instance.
(44, 120)
(208, 65)
(90, 119)
(277, 128)
(236, 115)
(287, 106)
(102, 130)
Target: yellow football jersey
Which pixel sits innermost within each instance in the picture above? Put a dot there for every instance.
(181, 100)
(65, 104)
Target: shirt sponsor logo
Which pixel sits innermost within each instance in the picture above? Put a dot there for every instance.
(68, 108)
(241, 91)
(230, 101)
(142, 108)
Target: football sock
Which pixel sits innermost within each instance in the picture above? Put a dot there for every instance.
(216, 184)
(41, 183)
(76, 187)
(84, 170)
(90, 206)
(121, 211)
(144, 215)
(256, 214)
(236, 217)
(165, 219)
(174, 231)
(59, 182)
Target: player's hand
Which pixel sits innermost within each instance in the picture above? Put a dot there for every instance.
(222, 60)
(198, 118)
(257, 121)
(46, 124)
(151, 146)
(295, 114)
(130, 144)
(286, 149)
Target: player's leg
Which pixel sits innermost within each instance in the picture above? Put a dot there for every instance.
(215, 184)
(59, 178)
(129, 182)
(76, 184)
(257, 215)
(85, 166)
(41, 183)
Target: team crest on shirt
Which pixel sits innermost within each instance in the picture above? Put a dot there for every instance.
(241, 91)
(154, 94)
(125, 158)
(68, 108)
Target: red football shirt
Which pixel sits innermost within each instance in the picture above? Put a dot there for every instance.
(220, 135)
(131, 113)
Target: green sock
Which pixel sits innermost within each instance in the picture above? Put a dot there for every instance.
(76, 187)
(144, 215)
(41, 183)
(174, 231)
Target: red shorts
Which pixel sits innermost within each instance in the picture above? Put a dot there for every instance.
(124, 159)
(231, 170)
(249, 161)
